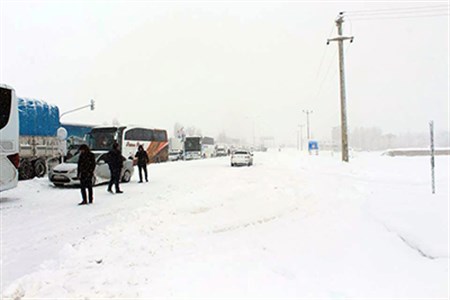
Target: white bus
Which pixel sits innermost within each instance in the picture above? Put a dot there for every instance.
(208, 147)
(9, 138)
(196, 147)
(154, 141)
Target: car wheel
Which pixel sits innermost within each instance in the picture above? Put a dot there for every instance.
(26, 170)
(59, 185)
(126, 176)
(40, 168)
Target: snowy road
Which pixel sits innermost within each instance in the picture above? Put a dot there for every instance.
(291, 226)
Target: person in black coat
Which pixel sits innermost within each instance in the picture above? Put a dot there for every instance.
(85, 172)
(142, 161)
(115, 163)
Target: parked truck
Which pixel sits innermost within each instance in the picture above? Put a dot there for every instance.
(39, 145)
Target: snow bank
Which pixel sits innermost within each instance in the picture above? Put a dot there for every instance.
(416, 152)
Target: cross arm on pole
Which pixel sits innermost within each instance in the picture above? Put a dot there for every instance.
(340, 38)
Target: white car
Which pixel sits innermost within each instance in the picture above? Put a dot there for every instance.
(176, 155)
(241, 158)
(65, 174)
(221, 152)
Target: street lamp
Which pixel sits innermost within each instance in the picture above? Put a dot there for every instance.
(91, 105)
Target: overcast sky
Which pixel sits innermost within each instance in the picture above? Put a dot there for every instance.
(228, 66)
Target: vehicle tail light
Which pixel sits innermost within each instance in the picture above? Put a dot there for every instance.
(15, 160)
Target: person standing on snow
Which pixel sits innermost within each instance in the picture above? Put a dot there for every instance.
(115, 163)
(85, 172)
(142, 161)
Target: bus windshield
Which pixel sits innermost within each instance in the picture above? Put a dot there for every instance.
(5, 106)
(102, 139)
(193, 144)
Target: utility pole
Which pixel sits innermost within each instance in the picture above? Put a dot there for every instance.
(308, 132)
(433, 189)
(300, 132)
(340, 39)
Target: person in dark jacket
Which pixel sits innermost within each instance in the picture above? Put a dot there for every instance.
(142, 161)
(115, 163)
(85, 172)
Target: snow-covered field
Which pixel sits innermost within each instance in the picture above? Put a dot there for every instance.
(292, 226)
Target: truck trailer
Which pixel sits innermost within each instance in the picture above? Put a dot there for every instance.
(39, 145)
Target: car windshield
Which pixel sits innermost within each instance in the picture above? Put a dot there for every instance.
(74, 159)
(241, 152)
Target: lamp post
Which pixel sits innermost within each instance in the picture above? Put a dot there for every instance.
(91, 105)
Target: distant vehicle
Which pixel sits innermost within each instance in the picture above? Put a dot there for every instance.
(9, 138)
(176, 144)
(241, 158)
(65, 174)
(129, 138)
(196, 147)
(176, 155)
(192, 147)
(221, 150)
(208, 148)
(261, 148)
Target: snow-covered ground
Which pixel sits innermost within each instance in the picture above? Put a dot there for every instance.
(292, 226)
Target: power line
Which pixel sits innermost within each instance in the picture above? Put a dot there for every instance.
(412, 9)
(400, 17)
(326, 75)
(323, 55)
(319, 92)
(430, 11)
